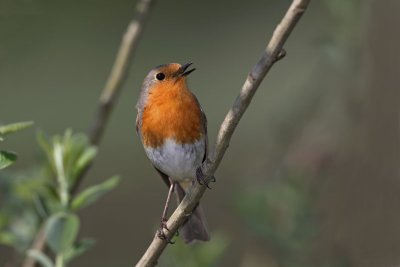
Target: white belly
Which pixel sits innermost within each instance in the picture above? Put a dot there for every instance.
(178, 161)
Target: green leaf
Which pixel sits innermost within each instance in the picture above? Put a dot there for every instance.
(14, 127)
(63, 186)
(91, 194)
(79, 248)
(84, 159)
(44, 143)
(7, 158)
(61, 231)
(41, 206)
(40, 257)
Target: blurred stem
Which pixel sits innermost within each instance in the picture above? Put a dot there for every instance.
(38, 244)
(116, 79)
(62, 180)
(60, 260)
(108, 98)
(120, 70)
(272, 54)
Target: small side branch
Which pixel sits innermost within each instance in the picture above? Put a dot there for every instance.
(273, 52)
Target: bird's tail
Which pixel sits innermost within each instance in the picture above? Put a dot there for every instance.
(195, 228)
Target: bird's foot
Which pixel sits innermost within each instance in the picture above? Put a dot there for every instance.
(161, 233)
(201, 178)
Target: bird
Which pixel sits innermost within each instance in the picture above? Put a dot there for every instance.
(172, 128)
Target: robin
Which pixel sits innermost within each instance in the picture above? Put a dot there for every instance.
(173, 130)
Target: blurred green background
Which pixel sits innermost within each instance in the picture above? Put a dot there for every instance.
(311, 177)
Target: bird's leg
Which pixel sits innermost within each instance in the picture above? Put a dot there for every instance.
(164, 218)
(201, 179)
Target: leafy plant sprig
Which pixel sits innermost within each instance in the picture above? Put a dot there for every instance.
(7, 157)
(67, 156)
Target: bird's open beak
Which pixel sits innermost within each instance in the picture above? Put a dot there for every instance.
(183, 70)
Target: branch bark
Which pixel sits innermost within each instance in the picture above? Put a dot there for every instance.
(107, 99)
(273, 52)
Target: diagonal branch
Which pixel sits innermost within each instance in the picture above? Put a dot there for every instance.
(272, 54)
(107, 99)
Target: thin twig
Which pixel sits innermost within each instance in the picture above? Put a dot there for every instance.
(272, 54)
(38, 244)
(107, 99)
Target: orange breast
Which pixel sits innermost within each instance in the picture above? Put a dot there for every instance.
(171, 112)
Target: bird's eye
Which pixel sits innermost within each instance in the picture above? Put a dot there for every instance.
(160, 76)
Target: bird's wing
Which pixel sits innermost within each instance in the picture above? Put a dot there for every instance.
(163, 176)
(139, 125)
(204, 123)
(138, 122)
